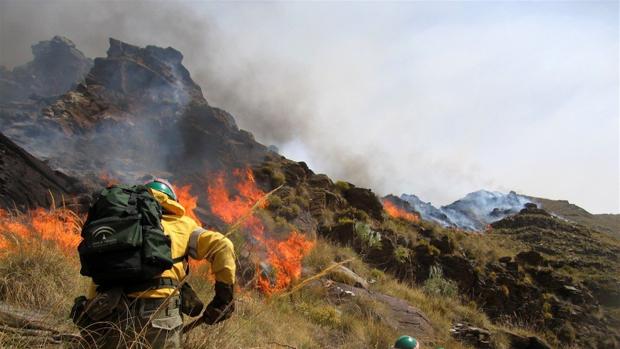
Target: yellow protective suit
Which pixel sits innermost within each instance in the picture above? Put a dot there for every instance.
(188, 238)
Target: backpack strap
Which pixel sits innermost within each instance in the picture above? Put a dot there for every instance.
(179, 259)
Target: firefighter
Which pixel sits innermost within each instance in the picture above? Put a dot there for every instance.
(148, 315)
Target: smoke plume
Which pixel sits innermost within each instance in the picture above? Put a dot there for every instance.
(437, 100)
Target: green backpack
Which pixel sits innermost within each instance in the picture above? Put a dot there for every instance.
(123, 240)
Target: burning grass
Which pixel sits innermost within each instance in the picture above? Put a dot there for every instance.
(398, 212)
(235, 201)
(58, 226)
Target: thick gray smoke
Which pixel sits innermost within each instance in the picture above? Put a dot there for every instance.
(433, 99)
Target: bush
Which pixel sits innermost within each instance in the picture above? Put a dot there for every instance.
(567, 333)
(343, 186)
(437, 285)
(401, 254)
(274, 202)
(370, 238)
(277, 177)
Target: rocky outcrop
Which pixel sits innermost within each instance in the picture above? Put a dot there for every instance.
(402, 316)
(138, 111)
(57, 67)
(365, 200)
(26, 182)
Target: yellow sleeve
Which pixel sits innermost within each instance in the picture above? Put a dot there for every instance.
(218, 250)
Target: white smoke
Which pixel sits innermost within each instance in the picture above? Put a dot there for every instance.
(434, 99)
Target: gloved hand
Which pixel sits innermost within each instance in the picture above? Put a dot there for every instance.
(222, 305)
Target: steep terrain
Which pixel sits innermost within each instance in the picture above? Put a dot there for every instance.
(371, 271)
(28, 183)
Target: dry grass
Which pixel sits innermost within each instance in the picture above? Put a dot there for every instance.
(37, 275)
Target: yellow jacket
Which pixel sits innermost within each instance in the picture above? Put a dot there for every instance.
(188, 238)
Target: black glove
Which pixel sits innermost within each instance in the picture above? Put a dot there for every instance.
(78, 314)
(222, 305)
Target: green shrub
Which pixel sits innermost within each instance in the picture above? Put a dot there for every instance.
(370, 238)
(274, 202)
(567, 333)
(343, 186)
(401, 254)
(437, 285)
(277, 177)
(345, 220)
(322, 314)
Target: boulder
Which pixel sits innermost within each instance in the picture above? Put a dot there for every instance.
(445, 244)
(460, 270)
(477, 337)
(401, 316)
(365, 200)
(320, 181)
(525, 342)
(530, 257)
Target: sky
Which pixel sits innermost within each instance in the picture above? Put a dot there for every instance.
(437, 99)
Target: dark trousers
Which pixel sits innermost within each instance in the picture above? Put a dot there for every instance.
(138, 324)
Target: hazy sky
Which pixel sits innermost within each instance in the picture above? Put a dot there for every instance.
(433, 98)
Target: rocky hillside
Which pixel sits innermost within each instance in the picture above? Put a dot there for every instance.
(530, 282)
(28, 183)
(138, 111)
(608, 223)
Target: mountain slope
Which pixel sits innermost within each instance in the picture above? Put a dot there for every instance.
(608, 223)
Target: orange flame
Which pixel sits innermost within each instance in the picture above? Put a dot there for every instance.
(108, 179)
(187, 200)
(231, 208)
(398, 212)
(285, 256)
(60, 226)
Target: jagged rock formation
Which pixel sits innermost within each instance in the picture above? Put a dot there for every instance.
(56, 68)
(26, 182)
(137, 112)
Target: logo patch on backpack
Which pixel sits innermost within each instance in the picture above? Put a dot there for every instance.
(102, 233)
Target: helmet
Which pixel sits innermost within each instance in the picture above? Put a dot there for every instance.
(163, 186)
(406, 342)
